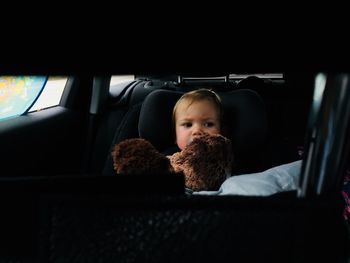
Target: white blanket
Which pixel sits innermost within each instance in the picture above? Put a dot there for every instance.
(277, 179)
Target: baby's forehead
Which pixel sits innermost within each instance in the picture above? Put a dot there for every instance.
(186, 107)
(188, 102)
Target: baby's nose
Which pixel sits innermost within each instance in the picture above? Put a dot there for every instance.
(197, 133)
(197, 130)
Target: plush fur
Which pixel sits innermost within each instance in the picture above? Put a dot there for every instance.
(138, 156)
(206, 162)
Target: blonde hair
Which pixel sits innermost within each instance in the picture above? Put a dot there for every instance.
(199, 95)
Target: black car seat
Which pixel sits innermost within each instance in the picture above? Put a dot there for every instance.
(245, 122)
(287, 101)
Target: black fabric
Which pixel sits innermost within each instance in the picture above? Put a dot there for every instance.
(251, 82)
(194, 229)
(95, 219)
(171, 150)
(245, 123)
(155, 118)
(108, 126)
(126, 130)
(245, 119)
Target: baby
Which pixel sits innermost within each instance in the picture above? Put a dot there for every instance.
(196, 113)
(197, 118)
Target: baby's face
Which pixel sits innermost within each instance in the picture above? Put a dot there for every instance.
(197, 118)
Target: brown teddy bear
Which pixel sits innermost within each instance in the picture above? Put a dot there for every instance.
(138, 156)
(206, 162)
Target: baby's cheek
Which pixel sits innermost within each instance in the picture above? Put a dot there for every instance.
(181, 144)
(214, 131)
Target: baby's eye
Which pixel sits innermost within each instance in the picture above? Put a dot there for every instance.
(208, 124)
(187, 125)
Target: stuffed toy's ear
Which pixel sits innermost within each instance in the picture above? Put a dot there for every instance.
(138, 156)
(206, 162)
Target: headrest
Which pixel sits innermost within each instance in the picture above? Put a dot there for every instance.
(155, 122)
(245, 119)
(251, 82)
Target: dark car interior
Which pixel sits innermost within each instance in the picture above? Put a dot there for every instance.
(270, 116)
(62, 202)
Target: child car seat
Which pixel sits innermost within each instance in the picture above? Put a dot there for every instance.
(245, 123)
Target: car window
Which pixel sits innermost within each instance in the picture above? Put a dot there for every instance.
(117, 79)
(21, 94)
(51, 94)
(18, 93)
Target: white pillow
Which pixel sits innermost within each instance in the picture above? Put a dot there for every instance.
(277, 179)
